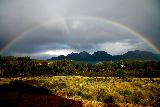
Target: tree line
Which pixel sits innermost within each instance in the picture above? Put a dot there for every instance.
(25, 66)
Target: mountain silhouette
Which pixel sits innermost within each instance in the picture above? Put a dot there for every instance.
(104, 56)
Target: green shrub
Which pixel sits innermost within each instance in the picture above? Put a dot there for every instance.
(83, 95)
(120, 73)
(102, 96)
(78, 93)
(126, 93)
(86, 96)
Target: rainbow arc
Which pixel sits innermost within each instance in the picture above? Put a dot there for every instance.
(107, 21)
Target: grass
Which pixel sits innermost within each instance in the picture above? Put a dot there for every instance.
(98, 91)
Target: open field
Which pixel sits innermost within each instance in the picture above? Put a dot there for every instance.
(98, 91)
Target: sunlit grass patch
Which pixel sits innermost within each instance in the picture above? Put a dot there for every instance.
(99, 90)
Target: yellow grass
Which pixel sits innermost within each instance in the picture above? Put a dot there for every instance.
(141, 90)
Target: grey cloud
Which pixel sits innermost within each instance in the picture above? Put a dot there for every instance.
(79, 38)
(65, 31)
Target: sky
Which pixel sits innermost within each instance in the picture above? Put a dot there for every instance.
(46, 28)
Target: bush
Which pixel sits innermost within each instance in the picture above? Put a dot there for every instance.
(126, 93)
(83, 95)
(102, 96)
(78, 93)
(120, 73)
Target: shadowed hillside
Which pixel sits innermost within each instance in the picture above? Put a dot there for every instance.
(20, 94)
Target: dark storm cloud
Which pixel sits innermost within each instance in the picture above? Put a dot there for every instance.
(79, 35)
(67, 29)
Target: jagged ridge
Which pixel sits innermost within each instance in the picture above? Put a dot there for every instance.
(104, 56)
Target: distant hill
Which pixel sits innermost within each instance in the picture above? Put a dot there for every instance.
(104, 56)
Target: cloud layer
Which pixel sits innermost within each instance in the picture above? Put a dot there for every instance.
(50, 27)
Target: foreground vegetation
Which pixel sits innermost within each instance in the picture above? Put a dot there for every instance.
(24, 66)
(98, 91)
(132, 83)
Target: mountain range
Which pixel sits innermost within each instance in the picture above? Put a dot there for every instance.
(104, 56)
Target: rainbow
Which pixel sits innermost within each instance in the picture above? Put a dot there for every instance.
(105, 20)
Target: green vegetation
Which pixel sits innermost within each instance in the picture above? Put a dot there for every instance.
(139, 91)
(120, 73)
(129, 83)
(24, 66)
